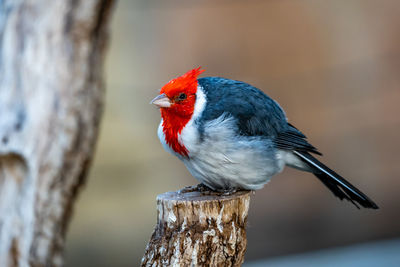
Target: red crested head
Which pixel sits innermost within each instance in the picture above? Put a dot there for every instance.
(181, 92)
(176, 101)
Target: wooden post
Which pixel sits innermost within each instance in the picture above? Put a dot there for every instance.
(199, 229)
(51, 99)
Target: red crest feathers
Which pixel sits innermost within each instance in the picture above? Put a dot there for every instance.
(186, 82)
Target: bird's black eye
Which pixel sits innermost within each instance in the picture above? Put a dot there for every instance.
(182, 96)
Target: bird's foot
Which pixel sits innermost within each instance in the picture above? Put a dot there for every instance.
(202, 188)
(187, 189)
(205, 190)
(228, 192)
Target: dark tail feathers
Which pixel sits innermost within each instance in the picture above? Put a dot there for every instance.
(336, 183)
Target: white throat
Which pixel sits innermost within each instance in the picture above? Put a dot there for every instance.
(200, 103)
(189, 135)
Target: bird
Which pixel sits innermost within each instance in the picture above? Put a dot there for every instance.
(232, 136)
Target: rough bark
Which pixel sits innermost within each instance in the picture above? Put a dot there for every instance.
(199, 229)
(51, 95)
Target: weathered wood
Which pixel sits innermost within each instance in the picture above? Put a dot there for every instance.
(51, 97)
(199, 229)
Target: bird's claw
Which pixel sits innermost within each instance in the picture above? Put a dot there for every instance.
(202, 188)
(228, 192)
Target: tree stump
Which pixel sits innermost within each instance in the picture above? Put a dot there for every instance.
(51, 99)
(199, 229)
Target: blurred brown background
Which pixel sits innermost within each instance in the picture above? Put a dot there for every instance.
(332, 65)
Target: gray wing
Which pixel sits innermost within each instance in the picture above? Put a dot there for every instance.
(256, 114)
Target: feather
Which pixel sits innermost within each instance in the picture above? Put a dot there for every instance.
(336, 183)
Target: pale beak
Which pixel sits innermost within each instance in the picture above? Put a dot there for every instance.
(161, 101)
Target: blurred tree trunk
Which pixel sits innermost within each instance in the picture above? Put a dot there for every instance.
(51, 98)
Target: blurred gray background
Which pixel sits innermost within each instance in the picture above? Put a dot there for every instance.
(332, 65)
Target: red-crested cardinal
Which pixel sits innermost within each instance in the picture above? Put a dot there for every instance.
(232, 136)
